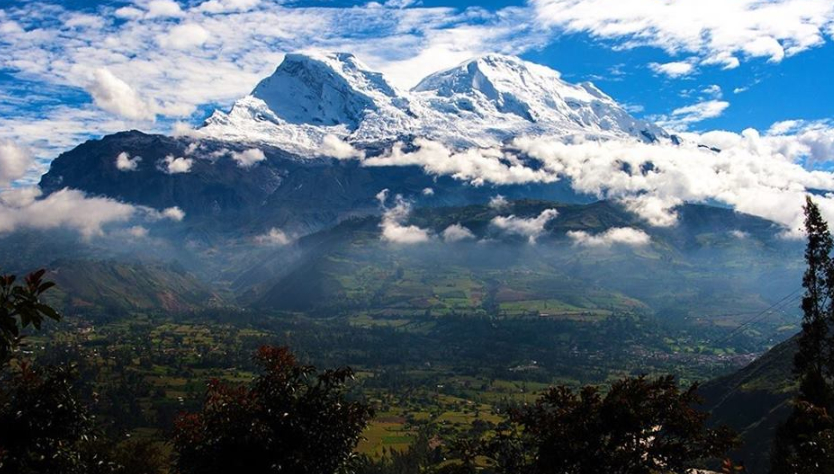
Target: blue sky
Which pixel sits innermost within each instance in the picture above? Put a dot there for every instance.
(694, 65)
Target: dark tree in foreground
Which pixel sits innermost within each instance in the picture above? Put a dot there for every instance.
(805, 442)
(20, 307)
(290, 420)
(43, 426)
(640, 426)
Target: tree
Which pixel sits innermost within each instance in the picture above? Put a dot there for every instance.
(805, 441)
(640, 426)
(45, 428)
(20, 307)
(810, 363)
(290, 420)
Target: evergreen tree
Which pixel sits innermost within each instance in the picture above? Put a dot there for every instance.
(805, 442)
(810, 363)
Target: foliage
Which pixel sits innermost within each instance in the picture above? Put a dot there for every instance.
(805, 441)
(810, 363)
(290, 420)
(45, 429)
(20, 307)
(640, 426)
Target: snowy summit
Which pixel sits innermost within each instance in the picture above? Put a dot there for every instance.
(482, 102)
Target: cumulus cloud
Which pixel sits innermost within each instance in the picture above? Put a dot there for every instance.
(718, 32)
(125, 163)
(673, 69)
(498, 202)
(334, 147)
(456, 233)
(393, 225)
(754, 174)
(274, 237)
(224, 6)
(428, 192)
(163, 8)
(173, 213)
(118, 97)
(657, 211)
(530, 228)
(172, 165)
(66, 208)
(185, 36)
(616, 235)
(247, 158)
(14, 162)
(475, 165)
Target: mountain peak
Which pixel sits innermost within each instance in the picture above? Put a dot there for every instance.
(484, 102)
(323, 89)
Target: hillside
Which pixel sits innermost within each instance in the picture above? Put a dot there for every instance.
(113, 288)
(754, 401)
(698, 272)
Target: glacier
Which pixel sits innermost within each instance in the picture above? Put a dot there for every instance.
(483, 102)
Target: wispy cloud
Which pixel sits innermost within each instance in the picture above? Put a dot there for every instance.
(682, 117)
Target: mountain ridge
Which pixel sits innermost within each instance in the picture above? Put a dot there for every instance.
(483, 102)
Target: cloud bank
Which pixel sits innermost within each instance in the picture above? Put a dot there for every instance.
(531, 228)
(614, 236)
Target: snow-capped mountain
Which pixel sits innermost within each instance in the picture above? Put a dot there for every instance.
(482, 102)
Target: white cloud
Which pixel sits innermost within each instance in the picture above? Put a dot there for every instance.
(172, 165)
(739, 234)
(66, 208)
(616, 235)
(174, 214)
(657, 211)
(334, 147)
(163, 9)
(274, 237)
(395, 232)
(719, 32)
(137, 232)
(382, 197)
(498, 202)
(714, 91)
(223, 6)
(393, 220)
(247, 158)
(753, 174)
(14, 162)
(674, 69)
(125, 163)
(428, 192)
(186, 36)
(456, 233)
(130, 13)
(530, 228)
(116, 96)
(475, 165)
(683, 117)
